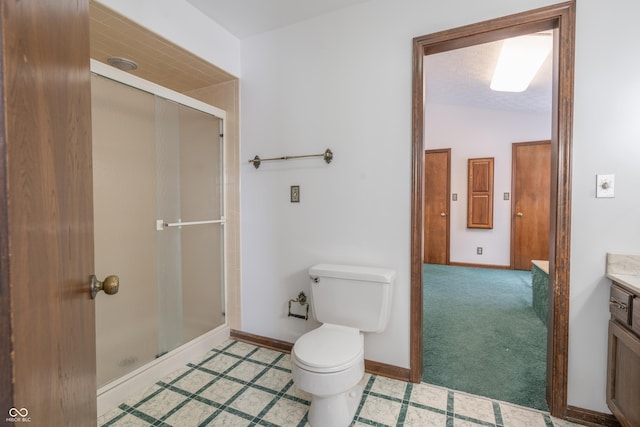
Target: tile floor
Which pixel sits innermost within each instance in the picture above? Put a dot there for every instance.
(239, 384)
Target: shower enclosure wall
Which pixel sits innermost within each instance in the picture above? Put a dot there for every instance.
(159, 222)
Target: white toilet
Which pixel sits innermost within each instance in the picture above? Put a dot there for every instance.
(328, 362)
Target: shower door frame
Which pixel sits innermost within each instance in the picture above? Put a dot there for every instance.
(117, 390)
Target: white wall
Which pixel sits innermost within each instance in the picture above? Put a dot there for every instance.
(181, 23)
(485, 133)
(606, 140)
(343, 81)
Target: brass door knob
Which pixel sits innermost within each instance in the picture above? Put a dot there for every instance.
(110, 285)
(520, 214)
(443, 214)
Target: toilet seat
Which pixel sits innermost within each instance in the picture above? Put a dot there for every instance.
(329, 348)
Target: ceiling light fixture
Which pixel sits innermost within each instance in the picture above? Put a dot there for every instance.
(519, 61)
(121, 63)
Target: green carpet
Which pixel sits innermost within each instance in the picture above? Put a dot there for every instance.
(481, 335)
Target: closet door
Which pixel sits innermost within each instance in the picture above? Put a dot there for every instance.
(437, 183)
(530, 216)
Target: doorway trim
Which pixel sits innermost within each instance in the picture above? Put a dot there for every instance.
(561, 18)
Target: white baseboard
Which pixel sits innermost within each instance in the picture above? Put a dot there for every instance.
(116, 392)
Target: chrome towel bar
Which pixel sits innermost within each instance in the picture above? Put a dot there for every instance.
(161, 225)
(327, 157)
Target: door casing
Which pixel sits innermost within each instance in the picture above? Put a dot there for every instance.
(560, 18)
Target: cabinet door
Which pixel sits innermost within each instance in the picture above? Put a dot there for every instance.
(623, 375)
(480, 193)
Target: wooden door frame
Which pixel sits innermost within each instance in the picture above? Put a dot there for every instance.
(512, 249)
(448, 217)
(561, 18)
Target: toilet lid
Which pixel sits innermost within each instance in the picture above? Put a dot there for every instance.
(329, 348)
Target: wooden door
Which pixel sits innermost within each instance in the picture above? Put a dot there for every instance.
(437, 184)
(530, 215)
(46, 218)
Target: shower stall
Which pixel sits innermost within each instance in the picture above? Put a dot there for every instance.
(158, 221)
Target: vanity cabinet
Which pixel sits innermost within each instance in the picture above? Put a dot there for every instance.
(623, 365)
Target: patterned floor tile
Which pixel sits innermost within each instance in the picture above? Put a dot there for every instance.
(161, 404)
(467, 423)
(265, 355)
(241, 349)
(220, 363)
(285, 362)
(389, 387)
(274, 379)
(237, 384)
(246, 371)
(193, 413)
(286, 412)
(228, 419)
(423, 417)
(221, 391)
(193, 381)
(430, 396)
(514, 416)
(128, 420)
(476, 408)
(298, 394)
(252, 401)
(380, 410)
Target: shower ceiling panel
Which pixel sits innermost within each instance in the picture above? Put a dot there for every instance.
(159, 60)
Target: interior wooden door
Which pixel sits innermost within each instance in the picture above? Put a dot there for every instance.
(530, 215)
(437, 184)
(46, 219)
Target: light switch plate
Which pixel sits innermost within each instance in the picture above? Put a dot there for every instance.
(604, 185)
(295, 194)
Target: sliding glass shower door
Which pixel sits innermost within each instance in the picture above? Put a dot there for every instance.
(158, 221)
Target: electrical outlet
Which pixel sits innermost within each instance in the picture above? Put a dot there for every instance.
(479, 250)
(295, 194)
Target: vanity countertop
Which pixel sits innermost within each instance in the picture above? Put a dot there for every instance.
(624, 269)
(630, 280)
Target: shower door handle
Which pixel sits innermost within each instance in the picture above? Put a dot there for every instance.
(110, 285)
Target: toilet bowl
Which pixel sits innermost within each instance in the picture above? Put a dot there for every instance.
(328, 362)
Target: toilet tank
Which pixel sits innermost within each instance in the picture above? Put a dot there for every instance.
(354, 296)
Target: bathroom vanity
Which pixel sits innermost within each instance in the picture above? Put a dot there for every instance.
(623, 364)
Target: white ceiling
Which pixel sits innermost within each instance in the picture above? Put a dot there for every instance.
(458, 77)
(462, 77)
(245, 18)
